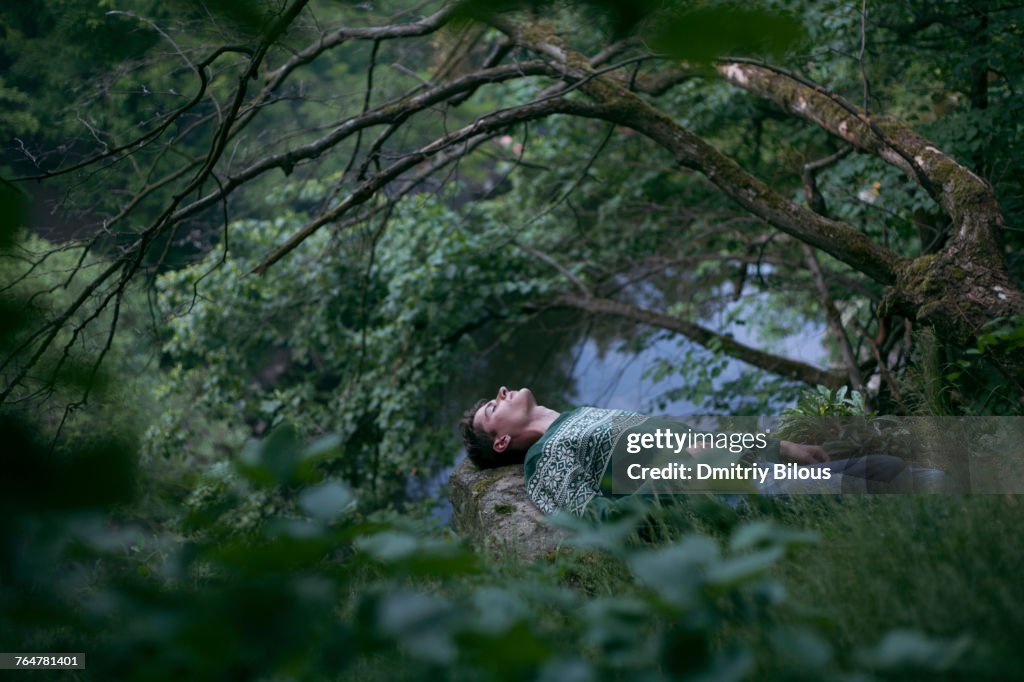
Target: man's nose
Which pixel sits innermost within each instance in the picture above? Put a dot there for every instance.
(502, 393)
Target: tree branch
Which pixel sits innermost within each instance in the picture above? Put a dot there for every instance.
(540, 255)
(612, 101)
(965, 197)
(835, 320)
(486, 124)
(129, 261)
(777, 364)
(395, 110)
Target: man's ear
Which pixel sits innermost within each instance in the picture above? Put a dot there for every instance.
(501, 443)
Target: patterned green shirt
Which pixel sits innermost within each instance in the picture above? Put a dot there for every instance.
(572, 462)
(565, 468)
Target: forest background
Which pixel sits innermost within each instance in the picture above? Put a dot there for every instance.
(257, 257)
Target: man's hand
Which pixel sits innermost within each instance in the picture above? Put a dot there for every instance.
(801, 454)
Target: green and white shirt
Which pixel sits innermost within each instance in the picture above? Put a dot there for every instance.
(572, 462)
(565, 468)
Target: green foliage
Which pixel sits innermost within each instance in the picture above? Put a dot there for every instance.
(274, 569)
(14, 211)
(54, 50)
(329, 345)
(1005, 334)
(840, 422)
(824, 402)
(695, 31)
(702, 32)
(39, 282)
(264, 559)
(14, 116)
(926, 564)
(944, 381)
(705, 378)
(321, 591)
(632, 204)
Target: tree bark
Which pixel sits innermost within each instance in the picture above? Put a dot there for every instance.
(965, 285)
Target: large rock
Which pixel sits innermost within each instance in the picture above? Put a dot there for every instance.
(490, 507)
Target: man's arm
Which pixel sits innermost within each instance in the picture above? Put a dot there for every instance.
(801, 454)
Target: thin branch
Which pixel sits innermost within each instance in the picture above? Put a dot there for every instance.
(712, 340)
(541, 256)
(883, 367)
(132, 257)
(860, 55)
(835, 319)
(388, 112)
(495, 121)
(152, 134)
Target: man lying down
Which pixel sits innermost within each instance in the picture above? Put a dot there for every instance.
(567, 457)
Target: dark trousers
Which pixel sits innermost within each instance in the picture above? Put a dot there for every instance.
(881, 473)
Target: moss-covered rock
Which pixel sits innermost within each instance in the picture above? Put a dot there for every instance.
(490, 507)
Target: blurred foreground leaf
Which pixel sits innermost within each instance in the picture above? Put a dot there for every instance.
(327, 501)
(907, 649)
(703, 33)
(13, 213)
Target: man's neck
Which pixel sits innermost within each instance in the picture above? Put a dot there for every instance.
(541, 419)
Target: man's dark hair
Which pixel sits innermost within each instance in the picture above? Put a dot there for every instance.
(480, 444)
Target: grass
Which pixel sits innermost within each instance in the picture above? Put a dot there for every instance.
(944, 565)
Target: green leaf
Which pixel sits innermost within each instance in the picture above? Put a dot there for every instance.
(616, 626)
(498, 609)
(703, 33)
(422, 623)
(608, 535)
(272, 460)
(676, 572)
(14, 206)
(403, 552)
(911, 649)
(800, 648)
(760, 533)
(741, 569)
(327, 501)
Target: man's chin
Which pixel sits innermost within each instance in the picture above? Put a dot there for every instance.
(527, 395)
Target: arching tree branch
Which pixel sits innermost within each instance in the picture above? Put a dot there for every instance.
(612, 101)
(777, 364)
(966, 198)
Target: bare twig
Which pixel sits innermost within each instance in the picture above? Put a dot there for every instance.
(860, 55)
(541, 256)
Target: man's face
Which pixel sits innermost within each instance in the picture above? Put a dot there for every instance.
(505, 416)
